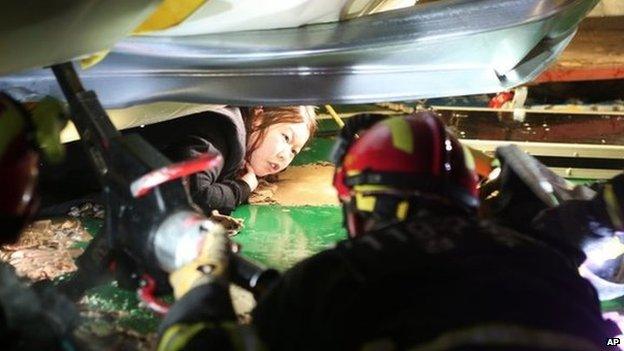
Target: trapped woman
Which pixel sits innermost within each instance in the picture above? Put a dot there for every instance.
(254, 142)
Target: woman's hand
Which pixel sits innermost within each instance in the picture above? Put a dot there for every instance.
(250, 178)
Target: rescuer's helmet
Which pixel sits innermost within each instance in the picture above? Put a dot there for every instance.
(398, 162)
(25, 133)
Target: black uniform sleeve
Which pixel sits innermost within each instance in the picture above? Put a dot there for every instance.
(292, 315)
(296, 312)
(199, 321)
(208, 188)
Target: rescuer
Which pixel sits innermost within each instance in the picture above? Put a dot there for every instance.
(419, 271)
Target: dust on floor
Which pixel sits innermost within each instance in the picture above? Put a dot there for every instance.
(299, 186)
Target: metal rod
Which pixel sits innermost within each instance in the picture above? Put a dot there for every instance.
(553, 149)
(68, 79)
(335, 116)
(89, 117)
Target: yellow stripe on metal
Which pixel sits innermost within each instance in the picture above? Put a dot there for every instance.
(94, 59)
(402, 138)
(170, 13)
(179, 335)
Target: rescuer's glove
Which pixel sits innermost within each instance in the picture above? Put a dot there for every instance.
(210, 264)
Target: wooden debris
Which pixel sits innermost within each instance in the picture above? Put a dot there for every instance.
(232, 225)
(87, 210)
(46, 249)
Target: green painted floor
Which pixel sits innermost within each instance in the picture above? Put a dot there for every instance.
(317, 150)
(280, 236)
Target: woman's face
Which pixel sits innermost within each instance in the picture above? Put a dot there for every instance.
(281, 143)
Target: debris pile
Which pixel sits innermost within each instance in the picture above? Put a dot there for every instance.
(264, 193)
(87, 210)
(230, 224)
(46, 249)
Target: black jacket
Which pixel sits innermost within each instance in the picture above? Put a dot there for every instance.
(220, 130)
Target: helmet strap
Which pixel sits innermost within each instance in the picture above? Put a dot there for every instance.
(400, 184)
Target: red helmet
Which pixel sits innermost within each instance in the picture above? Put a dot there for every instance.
(400, 159)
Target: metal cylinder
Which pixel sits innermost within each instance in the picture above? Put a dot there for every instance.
(177, 240)
(251, 276)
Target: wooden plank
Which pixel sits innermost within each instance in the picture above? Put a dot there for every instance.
(595, 53)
